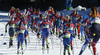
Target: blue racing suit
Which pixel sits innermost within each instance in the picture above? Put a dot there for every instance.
(45, 31)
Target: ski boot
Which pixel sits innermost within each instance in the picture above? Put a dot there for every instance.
(68, 53)
(89, 45)
(43, 47)
(64, 53)
(80, 53)
(22, 49)
(10, 45)
(47, 46)
(18, 51)
(25, 44)
(82, 38)
(22, 52)
(71, 47)
(78, 37)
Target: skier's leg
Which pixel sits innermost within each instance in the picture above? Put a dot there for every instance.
(11, 34)
(68, 44)
(19, 39)
(25, 39)
(84, 45)
(43, 38)
(64, 43)
(11, 42)
(18, 45)
(71, 38)
(47, 35)
(95, 40)
(22, 40)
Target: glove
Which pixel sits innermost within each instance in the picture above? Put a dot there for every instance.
(89, 45)
(38, 34)
(15, 35)
(73, 34)
(51, 33)
(6, 31)
(26, 36)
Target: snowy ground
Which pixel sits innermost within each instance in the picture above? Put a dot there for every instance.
(35, 45)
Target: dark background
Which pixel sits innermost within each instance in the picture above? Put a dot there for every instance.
(5, 5)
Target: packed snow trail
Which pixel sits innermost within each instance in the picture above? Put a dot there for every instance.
(35, 45)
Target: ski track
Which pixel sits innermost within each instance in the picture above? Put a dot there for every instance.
(37, 50)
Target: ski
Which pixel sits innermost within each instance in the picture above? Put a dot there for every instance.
(10, 47)
(47, 50)
(73, 51)
(91, 51)
(43, 50)
(24, 49)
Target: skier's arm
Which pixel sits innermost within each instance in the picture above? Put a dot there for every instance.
(60, 35)
(26, 32)
(6, 27)
(16, 32)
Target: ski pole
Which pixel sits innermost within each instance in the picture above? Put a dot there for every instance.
(76, 42)
(76, 37)
(3, 39)
(73, 47)
(28, 37)
(52, 41)
(60, 46)
(36, 43)
(91, 51)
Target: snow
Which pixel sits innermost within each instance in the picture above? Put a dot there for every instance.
(35, 45)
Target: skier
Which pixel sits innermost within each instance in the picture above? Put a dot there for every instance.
(17, 17)
(80, 28)
(21, 31)
(66, 40)
(71, 28)
(25, 23)
(57, 23)
(88, 39)
(11, 30)
(45, 25)
(95, 28)
(12, 11)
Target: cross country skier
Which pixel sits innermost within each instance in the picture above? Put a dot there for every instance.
(21, 31)
(57, 23)
(80, 27)
(45, 25)
(12, 11)
(66, 20)
(71, 28)
(17, 17)
(37, 23)
(11, 30)
(54, 21)
(25, 23)
(66, 40)
(88, 39)
(95, 28)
